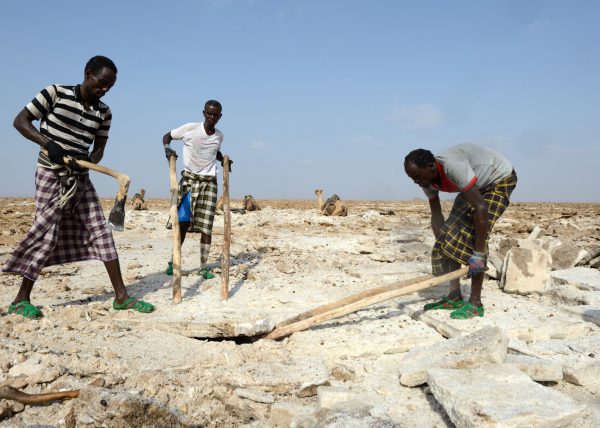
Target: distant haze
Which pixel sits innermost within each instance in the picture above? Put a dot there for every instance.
(325, 94)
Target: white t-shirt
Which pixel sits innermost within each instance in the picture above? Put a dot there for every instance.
(199, 148)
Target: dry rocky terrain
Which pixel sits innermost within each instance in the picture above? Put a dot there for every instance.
(533, 360)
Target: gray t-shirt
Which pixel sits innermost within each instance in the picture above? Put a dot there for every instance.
(466, 165)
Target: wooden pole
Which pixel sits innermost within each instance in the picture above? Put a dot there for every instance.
(361, 304)
(176, 279)
(351, 299)
(226, 231)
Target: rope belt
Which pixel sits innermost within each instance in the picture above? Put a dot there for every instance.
(67, 176)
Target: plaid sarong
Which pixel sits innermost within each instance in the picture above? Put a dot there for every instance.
(457, 235)
(203, 200)
(58, 235)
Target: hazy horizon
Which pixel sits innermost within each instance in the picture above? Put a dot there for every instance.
(327, 94)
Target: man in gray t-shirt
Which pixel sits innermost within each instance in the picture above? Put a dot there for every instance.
(484, 180)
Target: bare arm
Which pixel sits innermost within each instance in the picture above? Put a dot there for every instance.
(167, 139)
(98, 151)
(24, 124)
(480, 219)
(437, 218)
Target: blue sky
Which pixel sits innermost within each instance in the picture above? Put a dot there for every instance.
(325, 94)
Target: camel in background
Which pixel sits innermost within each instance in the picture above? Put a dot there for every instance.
(138, 201)
(333, 206)
(250, 203)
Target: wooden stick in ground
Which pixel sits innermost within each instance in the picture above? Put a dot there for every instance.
(361, 304)
(351, 299)
(226, 231)
(176, 279)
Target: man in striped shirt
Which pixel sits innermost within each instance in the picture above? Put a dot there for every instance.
(69, 224)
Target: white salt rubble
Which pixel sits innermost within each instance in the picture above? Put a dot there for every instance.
(201, 362)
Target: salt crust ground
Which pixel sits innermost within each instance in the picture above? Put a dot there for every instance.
(285, 259)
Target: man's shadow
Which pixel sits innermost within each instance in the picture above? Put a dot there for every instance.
(250, 259)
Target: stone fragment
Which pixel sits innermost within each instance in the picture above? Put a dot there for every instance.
(535, 233)
(580, 277)
(262, 324)
(334, 397)
(569, 295)
(545, 243)
(566, 256)
(279, 377)
(526, 271)
(488, 345)
(586, 375)
(309, 389)
(285, 267)
(537, 369)
(495, 264)
(284, 412)
(29, 368)
(255, 395)
(104, 407)
(593, 254)
(500, 396)
(342, 373)
(595, 263)
(386, 257)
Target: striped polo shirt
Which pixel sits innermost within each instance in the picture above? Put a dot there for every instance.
(65, 120)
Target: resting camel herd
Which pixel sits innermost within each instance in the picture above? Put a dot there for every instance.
(333, 206)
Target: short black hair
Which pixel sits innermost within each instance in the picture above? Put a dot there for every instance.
(420, 158)
(98, 62)
(213, 103)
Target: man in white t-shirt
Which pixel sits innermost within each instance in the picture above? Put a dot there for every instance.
(484, 180)
(198, 185)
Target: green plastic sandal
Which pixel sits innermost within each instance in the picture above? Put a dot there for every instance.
(445, 303)
(467, 311)
(26, 309)
(139, 305)
(205, 273)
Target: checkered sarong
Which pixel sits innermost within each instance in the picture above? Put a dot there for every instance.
(58, 235)
(457, 235)
(203, 200)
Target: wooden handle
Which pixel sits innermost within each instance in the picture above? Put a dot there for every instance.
(176, 279)
(351, 299)
(360, 304)
(121, 178)
(226, 231)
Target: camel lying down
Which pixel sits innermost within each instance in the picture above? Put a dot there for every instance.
(137, 202)
(249, 204)
(333, 206)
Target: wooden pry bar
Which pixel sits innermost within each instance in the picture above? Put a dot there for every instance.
(351, 299)
(363, 303)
